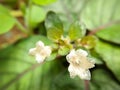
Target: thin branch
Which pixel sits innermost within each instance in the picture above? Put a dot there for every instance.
(20, 76)
(103, 26)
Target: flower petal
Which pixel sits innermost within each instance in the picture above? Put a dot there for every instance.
(39, 44)
(39, 58)
(71, 70)
(48, 50)
(82, 52)
(84, 74)
(32, 51)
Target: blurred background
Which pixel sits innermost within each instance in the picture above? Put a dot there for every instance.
(21, 26)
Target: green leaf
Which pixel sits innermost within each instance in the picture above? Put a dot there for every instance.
(102, 80)
(6, 20)
(100, 12)
(75, 31)
(88, 42)
(63, 50)
(43, 2)
(37, 15)
(111, 56)
(111, 33)
(54, 26)
(68, 11)
(52, 20)
(54, 33)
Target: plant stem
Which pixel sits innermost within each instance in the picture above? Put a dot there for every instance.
(29, 16)
(23, 29)
(103, 26)
(86, 83)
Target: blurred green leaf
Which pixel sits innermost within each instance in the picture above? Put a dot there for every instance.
(75, 31)
(68, 11)
(54, 33)
(43, 2)
(52, 20)
(99, 12)
(54, 26)
(37, 15)
(6, 20)
(111, 56)
(111, 33)
(88, 41)
(102, 80)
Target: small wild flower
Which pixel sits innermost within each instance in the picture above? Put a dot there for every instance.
(41, 52)
(79, 64)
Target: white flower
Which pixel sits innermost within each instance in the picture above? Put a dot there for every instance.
(40, 52)
(79, 64)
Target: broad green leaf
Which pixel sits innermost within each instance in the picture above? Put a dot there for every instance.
(100, 12)
(111, 56)
(43, 2)
(111, 33)
(102, 80)
(52, 20)
(76, 31)
(35, 15)
(54, 33)
(6, 20)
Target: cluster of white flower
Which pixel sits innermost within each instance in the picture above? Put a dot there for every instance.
(79, 62)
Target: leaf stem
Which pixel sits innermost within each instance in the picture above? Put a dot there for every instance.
(20, 26)
(103, 26)
(29, 15)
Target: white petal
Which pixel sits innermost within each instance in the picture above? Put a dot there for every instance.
(84, 74)
(71, 56)
(40, 44)
(39, 58)
(71, 70)
(48, 50)
(32, 51)
(82, 52)
(77, 71)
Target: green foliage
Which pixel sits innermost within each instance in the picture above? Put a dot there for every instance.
(6, 20)
(105, 79)
(43, 2)
(54, 26)
(100, 12)
(35, 15)
(75, 31)
(63, 50)
(111, 33)
(54, 33)
(88, 42)
(111, 55)
(52, 20)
